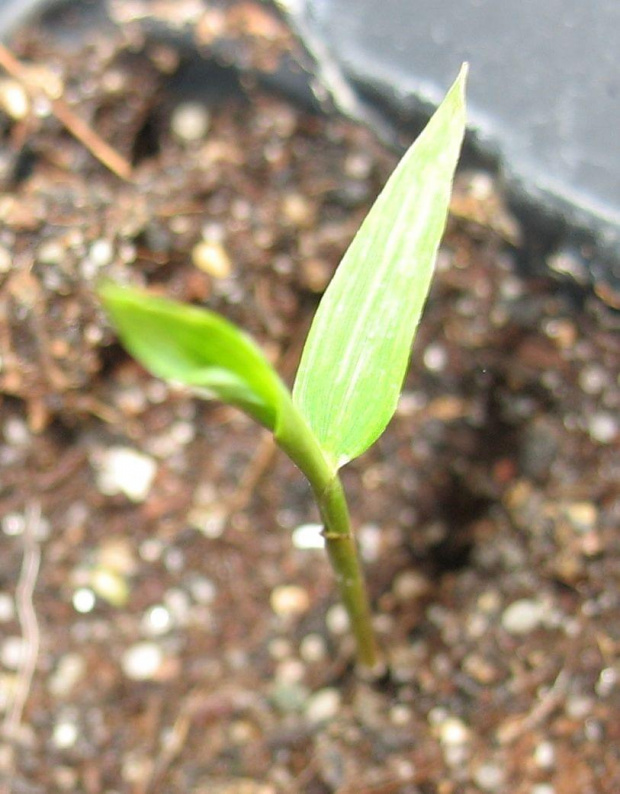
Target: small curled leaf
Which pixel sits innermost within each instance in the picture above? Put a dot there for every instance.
(196, 347)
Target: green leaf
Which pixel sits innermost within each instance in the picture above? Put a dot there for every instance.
(358, 348)
(195, 347)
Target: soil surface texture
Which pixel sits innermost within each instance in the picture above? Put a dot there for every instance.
(168, 620)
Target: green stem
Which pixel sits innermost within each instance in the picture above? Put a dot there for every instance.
(297, 440)
(344, 557)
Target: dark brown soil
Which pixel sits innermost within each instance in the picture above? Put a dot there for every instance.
(182, 639)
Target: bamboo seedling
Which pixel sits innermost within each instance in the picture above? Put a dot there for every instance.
(355, 357)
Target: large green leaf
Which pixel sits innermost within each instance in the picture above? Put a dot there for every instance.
(196, 347)
(357, 351)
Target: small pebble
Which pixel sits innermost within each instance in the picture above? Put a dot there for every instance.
(562, 331)
(522, 616)
(489, 602)
(101, 253)
(51, 252)
(202, 590)
(544, 755)
(309, 536)
(370, 538)
(289, 697)
(131, 400)
(14, 99)
(183, 433)
(479, 668)
(410, 403)
(117, 554)
(214, 231)
(582, 515)
(156, 621)
(290, 671)
(337, 620)
(12, 652)
(7, 608)
(41, 106)
(65, 734)
(607, 681)
(400, 714)
(456, 755)
(13, 524)
(593, 730)
(93, 334)
(570, 263)
(280, 648)
(511, 288)
(157, 391)
(489, 777)
(84, 600)
(435, 357)
(210, 521)
(477, 625)
(177, 603)
(297, 210)
(110, 585)
(289, 600)
(136, 769)
(593, 379)
(405, 662)
(453, 731)
(142, 661)
(150, 550)
(592, 544)
(603, 427)
(315, 273)
(579, 706)
(66, 778)
(122, 470)
(241, 732)
(358, 165)
(312, 648)
(323, 705)
(211, 257)
(70, 670)
(409, 585)
(190, 121)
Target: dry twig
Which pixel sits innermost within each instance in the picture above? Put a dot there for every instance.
(30, 636)
(252, 476)
(74, 124)
(548, 702)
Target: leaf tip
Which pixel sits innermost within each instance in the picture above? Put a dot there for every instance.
(459, 86)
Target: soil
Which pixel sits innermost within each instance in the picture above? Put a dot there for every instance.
(165, 627)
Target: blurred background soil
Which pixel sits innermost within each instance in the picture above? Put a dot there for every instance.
(167, 622)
